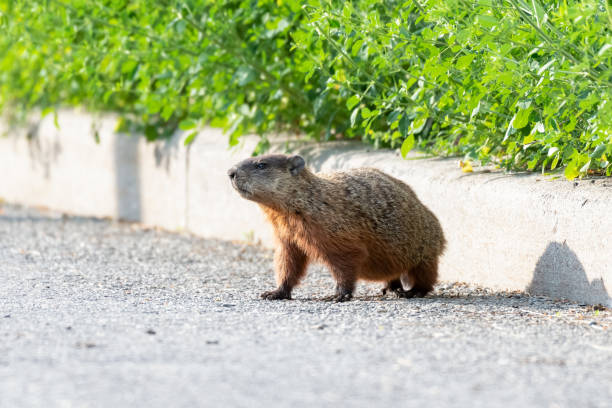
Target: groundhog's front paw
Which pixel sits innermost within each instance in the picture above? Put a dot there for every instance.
(342, 297)
(276, 295)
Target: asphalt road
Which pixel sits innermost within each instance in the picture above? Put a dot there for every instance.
(95, 313)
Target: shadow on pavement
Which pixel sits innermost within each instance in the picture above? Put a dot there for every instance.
(560, 274)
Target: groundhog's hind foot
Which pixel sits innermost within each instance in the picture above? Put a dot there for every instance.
(412, 293)
(394, 285)
(277, 294)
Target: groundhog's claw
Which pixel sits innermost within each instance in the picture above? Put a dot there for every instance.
(276, 295)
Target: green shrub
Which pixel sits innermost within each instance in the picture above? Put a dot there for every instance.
(525, 85)
(517, 83)
(164, 65)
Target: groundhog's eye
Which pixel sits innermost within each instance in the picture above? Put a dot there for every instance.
(260, 166)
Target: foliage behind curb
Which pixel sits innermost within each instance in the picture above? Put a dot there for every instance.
(517, 83)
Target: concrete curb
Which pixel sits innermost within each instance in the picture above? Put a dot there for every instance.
(522, 232)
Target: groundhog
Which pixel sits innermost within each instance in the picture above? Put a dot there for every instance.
(361, 223)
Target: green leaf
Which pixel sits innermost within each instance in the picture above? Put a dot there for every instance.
(418, 124)
(464, 61)
(121, 125)
(603, 49)
(510, 129)
(546, 66)
(354, 115)
(244, 75)
(352, 101)
(235, 130)
(487, 21)
(538, 127)
(187, 124)
(150, 132)
(532, 163)
(552, 150)
(310, 73)
(46, 111)
(475, 111)
(522, 118)
(538, 12)
(404, 125)
(356, 47)
(262, 146)
(571, 170)
(167, 111)
(189, 139)
(407, 145)
(599, 151)
(555, 161)
(393, 116)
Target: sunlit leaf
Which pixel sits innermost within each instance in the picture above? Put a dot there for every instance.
(352, 101)
(190, 138)
(407, 145)
(187, 124)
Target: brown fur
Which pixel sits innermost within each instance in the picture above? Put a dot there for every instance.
(362, 223)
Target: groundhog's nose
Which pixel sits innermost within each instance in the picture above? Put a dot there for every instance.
(231, 173)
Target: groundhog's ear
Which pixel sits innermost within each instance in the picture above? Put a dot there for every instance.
(296, 164)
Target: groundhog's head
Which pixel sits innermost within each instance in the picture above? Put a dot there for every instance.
(266, 179)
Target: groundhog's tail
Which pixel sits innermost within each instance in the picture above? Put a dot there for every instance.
(422, 277)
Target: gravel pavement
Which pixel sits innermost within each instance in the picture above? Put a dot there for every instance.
(95, 313)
